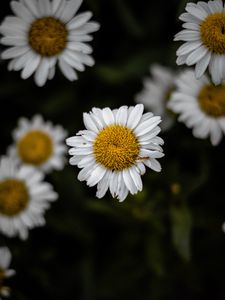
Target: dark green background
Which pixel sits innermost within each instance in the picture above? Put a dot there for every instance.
(156, 245)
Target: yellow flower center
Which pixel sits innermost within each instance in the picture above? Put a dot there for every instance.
(14, 197)
(213, 33)
(212, 100)
(35, 147)
(48, 36)
(116, 147)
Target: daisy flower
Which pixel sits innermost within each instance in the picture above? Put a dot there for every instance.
(5, 272)
(204, 39)
(201, 106)
(115, 148)
(39, 144)
(43, 33)
(24, 197)
(156, 93)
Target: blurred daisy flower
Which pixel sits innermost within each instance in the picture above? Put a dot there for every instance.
(43, 33)
(223, 227)
(156, 93)
(24, 197)
(201, 106)
(115, 148)
(5, 272)
(204, 38)
(39, 144)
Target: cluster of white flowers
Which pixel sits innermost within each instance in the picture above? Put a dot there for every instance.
(24, 196)
(116, 145)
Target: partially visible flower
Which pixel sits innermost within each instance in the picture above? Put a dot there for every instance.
(223, 227)
(115, 148)
(201, 106)
(157, 92)
(5, 272)
(203, 34)
(24, 198)
(39, 144)
(45, 33)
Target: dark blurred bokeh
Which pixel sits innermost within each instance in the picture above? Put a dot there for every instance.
(166, 242)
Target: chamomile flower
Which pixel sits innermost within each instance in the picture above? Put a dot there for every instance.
(5, 272)
(156, 93)
(39, 144)
(115, 148)
(24, 197)
(201, 106)
(204, 39)
(44, 33)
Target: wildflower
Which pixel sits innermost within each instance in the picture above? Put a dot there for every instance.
(204, 38)
(115, 149)
(201, 106)
(44, 33)
(39, 144)
(24, 197)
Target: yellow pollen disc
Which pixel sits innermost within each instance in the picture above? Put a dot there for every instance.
(14, 197)
(116, 147)
(212, 100)
(48, 36)
(213, 33)
(35, 147)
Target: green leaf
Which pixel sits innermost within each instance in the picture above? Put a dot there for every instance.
(181, 230)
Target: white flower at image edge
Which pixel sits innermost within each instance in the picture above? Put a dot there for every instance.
(39, 144)
(44, 33)
(157, 92)
(203, 34)
(200, 105)
(24, 198)
(115, 149)
(5, 272)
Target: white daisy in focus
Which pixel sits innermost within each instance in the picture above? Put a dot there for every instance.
(201, 106)
(39, 144)
(5, 272)
(204, 37)
(44, 33)
(24, 197)
(157, 92)
(115, 148)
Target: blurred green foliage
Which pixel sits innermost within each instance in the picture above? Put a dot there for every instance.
(166, 242)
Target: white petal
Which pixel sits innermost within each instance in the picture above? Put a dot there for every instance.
(108, 116)
(31, 5)
(79, 20)
(41, 74)
(188, 47)
(202, 65)
(121, 115)
(129, 182)
(14, 52)
(89, 124)
(67, 70)
(30, 66)
(96, 175)
(135, 116)
(70, 9)
(21, 11)
(196, 55)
